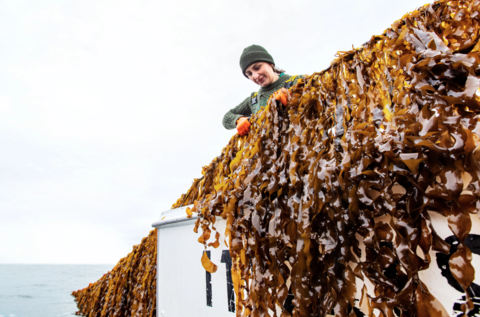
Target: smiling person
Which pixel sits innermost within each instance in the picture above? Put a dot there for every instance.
(258, 66)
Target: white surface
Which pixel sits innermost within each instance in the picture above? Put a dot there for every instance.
(436, 283)
(181, 278)
(174, 217)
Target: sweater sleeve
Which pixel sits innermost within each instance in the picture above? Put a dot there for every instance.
(231, 117)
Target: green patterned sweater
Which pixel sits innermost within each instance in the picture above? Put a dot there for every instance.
(246, 109)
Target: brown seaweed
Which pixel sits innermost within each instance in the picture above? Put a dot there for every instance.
(129, 289)
(390, 131)
(401, 111)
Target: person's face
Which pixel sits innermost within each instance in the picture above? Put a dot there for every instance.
(261, 73)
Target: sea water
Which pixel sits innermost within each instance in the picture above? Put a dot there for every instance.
(44, 290)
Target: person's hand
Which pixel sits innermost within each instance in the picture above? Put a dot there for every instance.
(243, 126)
(281, 95)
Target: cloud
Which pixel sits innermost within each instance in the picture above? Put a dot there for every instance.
(4, 103)
(109, 109)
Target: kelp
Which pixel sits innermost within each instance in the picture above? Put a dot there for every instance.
(338, 186)
(389, 130)
(129, 289)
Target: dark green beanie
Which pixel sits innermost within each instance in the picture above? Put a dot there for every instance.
(252, 54)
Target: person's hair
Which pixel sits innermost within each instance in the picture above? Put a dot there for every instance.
(277, 70)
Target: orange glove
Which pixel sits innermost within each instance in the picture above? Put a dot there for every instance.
(282, 95)
(243, 126)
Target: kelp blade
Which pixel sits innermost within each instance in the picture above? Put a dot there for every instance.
(337, 191)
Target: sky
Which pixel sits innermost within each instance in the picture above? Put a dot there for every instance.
(109, 109)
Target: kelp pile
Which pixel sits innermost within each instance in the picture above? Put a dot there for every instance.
(128, 290)
(338, 186)
(390, 130)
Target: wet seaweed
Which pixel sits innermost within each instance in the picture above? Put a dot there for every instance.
(336, 188)
(129, 289)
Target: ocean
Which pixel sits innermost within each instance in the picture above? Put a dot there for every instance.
(44, 290)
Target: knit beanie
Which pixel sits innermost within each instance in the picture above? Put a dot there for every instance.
(252, 54)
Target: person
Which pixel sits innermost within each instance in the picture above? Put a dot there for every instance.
(258, 66)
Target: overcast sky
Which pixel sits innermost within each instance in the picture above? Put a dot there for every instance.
(109, 109)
